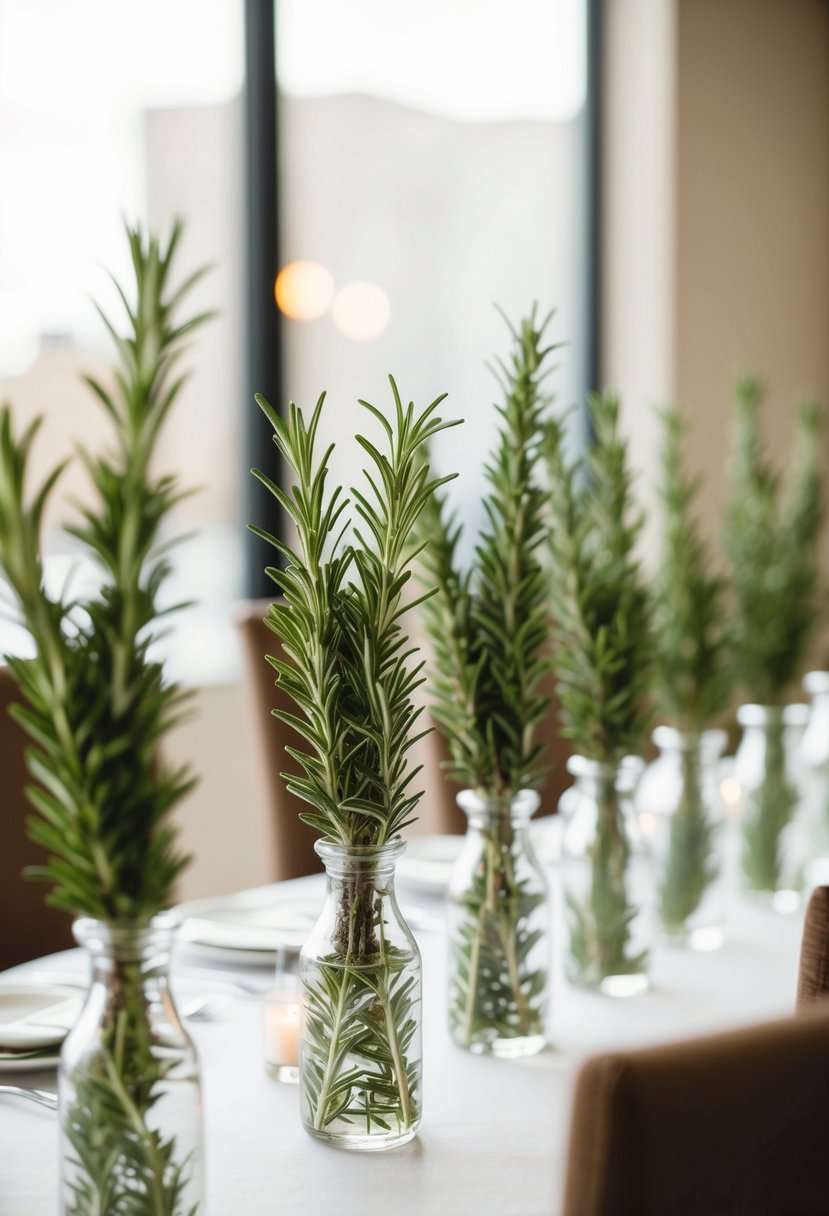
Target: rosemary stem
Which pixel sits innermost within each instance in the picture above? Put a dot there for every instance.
(399, 1067)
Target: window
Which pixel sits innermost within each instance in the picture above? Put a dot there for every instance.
(135, 111)
(429, 168)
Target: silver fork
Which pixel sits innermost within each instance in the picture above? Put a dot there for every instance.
(205, 1008)
(43, 1097)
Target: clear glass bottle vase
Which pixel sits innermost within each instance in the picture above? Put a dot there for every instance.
(130, 1097)
(607, 881)
(360, 1055)
(814, 761)
(499, 931)
(766, 767)
(681, 810)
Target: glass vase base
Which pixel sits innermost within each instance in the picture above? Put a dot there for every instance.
(288, 1074)
(785, 902)
(622, 986)
(703, 939)
(508, 1048)
(361, 1142)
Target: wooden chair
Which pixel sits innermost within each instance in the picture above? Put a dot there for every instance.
(813, 975)
(730, 1125)
(28, 927)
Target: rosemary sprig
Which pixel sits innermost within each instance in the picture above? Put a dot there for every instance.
(771, 538)
(692, 676)
(347, 666)
(489, 627)
(97, 707)
(602, 625)
(97, 704)
(691, 668)
(601, 606)
(351, 673)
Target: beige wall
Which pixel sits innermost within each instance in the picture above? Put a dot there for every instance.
(752, 223)
(716, 241)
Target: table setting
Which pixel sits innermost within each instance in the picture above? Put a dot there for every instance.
(405, 1029)
(477, 1116)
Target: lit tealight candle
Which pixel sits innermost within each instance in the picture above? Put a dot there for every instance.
(281, 1037)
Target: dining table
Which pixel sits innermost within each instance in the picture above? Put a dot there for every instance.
(493, 1140)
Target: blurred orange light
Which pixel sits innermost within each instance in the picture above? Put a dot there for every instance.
(361, 311)
(304, 290)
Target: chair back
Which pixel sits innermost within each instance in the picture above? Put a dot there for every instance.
(292, 841)
(728, 1125)
(813, 974)
(28, 927)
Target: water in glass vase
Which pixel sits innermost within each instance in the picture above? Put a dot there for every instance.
(814, 762)
(499, 931)
(360, 975)
(774, 845)
(607, 882)
(130, 1098)
(678, 800)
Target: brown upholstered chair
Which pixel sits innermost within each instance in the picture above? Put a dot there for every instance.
(731, 1125)
(28, 928)
(813, 975)
(293, 841)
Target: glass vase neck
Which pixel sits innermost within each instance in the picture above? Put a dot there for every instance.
(816, 683)
(773, 715)
(356, 861)
(478, 807)
(709, 743)
(592, 775)
(149, 945)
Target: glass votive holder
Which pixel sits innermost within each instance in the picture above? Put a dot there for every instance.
(281, 1020)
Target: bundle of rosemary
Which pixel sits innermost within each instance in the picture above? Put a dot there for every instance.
(348, 666)
(97, 707)
(692, 681)
(488, 626)
(771, 539)
(602, 625)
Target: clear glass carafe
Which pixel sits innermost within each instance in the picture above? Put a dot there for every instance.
(814, 763)
(499, 931)
(774, 848)
(130, 1098)
(681, 810)
(360, 1055)
(607, 882)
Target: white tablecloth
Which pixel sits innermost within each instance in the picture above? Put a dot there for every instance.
(494, 1133)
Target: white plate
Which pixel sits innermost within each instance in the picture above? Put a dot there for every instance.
(252, 925)
(427, 863)
(41, 1064)
(36, 1015)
